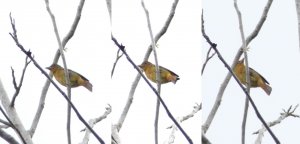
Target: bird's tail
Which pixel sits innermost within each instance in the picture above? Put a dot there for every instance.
(88, 86)
(174, 79)
(267, 89)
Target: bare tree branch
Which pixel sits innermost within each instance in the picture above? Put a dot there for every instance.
(120, 46)
(116, 127)
(285, 114)
(115, 138)
(18, 88)
(214, 46)
(244, 48)
(115, 63)
(218, 100)
(196, 109)
(55, 60)
(28, 53)
(208, 57)
(204, 139)
(148, 52)
(67, 78)
(8, 124)
(297, 2)
(12, 117)
(94, 121)
(8, 138)
(156, 71)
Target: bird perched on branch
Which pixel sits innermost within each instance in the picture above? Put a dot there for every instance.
(76, 79)
(165, 74)
(256, 80)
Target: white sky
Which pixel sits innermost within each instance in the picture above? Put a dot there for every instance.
(92, 53)
(274, 54)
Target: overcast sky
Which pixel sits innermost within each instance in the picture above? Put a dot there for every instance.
(91, 53)
(274, 54)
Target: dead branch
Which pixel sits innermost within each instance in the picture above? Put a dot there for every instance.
(285, 114)
(214, 46)
(147, 54)
(208, 57)
(122, 48)
(115, 63)
(94, 121)
(224, 84)
(18, 88)
(65, 40)
(7, 137)
(28, 53)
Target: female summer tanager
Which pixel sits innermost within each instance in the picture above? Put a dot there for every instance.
(256, 80)
(76, 79)
(165, 74)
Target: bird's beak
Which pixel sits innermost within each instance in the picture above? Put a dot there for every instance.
(48, 68)
(141, 67)
(243, 60)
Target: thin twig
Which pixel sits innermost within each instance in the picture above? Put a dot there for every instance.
(157, 72)
(5, 123)
(214, 46)
(18, 88)
(246, 106)
(115, 63)
(284, 115)
(224, 84)
(67, 78)
(196, 109)
(120, 46)
(208, 57)
(94, 121)
(28, 53)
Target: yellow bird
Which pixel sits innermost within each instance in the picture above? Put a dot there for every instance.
(256, 80)
(76, 79)
(165, 74)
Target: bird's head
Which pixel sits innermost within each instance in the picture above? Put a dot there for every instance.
(241, 61)
(144, 65)
(53, 67)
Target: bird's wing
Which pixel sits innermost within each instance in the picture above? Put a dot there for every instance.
(168, 70)
(259, 75)
(84, 78)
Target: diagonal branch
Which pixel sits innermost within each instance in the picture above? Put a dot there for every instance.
(28, 53)
(196, 109)
(117, 127)
(94, 121)
(122, 48)
(69, 35)
(214, 46)
(217, 103)
(284, 115)
(8, 138)
(147, 54)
